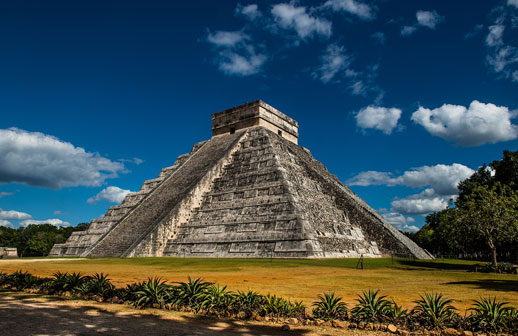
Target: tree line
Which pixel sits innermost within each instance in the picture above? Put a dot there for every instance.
(36, 240)
(483, 221)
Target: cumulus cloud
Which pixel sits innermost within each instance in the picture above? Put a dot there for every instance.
(357, 8)
(423, 203)
(513, 3)
(428, 19)
(377, 117)
(251, 11)
(473, 126)
(227, 38)
(6, 223)
(443, 179)
(42, 160)
(500, 56)
(402, 223)
(11, 214)
(424, 19)
(441, 182)
(232, 63)
(494, 37)
(110, 194)
(502, 53)
(290, 17)
(236, 55)
(52, 221)
(334, 61)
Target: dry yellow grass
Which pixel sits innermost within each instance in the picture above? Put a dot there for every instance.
(300, 279)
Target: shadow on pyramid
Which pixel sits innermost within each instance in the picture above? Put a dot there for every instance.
(249, 191)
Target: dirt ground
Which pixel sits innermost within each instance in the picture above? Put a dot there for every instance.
(28, 314)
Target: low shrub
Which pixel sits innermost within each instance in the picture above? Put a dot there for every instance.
(371, 307)
(330, 307)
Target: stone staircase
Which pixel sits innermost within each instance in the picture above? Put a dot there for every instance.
(169, 190)
(80, 242)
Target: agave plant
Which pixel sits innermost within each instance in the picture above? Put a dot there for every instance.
(371, 306)
(67, 282)
(99, 285)
(249, 301)
(153, 291)
(396, 313)
(330, 307)
(191, 293)
(218, 298)
(3, 278)
(275, 305)
(21, 280)
(489, 314)
(435, 310)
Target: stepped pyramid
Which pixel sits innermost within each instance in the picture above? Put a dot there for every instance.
(249, 191)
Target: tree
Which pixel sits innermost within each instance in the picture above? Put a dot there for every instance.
(492, 213)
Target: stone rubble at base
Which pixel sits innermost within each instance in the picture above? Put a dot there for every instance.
(249, 191)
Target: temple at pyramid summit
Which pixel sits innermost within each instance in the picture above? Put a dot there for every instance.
(249, 191)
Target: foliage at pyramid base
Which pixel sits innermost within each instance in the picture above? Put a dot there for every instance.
(250, 192)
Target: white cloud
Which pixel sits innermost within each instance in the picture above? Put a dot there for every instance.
(502, 55)
(422, 203)
(110, 194)
(334, 61)
(443, 179)
(494, 37)
(233, 63)
(5, 193)
(441, 182)
(39, 159)
(236, 56)
(401, 222)
(363, 11)
(52, 221)
(473, 126)
(429, 19)
(290, 17)
(11, 214)
(6, 223)
(512, 3)
(408, 30)
(227, 38)
(251, 11)
(377, 117)
(57, 212)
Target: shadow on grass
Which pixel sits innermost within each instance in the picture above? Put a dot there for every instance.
(490, 284)
(438, 265)
(23, 315)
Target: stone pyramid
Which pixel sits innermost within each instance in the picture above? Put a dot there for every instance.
(249, 191)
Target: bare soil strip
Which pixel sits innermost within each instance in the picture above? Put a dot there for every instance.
(29, 314)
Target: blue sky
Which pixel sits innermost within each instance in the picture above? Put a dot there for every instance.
(401, 100)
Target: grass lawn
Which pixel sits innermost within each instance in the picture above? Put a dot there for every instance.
(404, 280)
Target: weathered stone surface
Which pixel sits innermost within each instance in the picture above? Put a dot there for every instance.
(249, 192)
(392, 328)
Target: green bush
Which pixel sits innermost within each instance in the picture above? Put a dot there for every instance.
(330, 307)
(371, 306)
(435, 310)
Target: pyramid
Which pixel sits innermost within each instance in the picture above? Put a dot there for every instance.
(249, 191)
